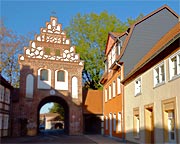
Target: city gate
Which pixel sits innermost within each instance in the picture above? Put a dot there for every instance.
(50, 71)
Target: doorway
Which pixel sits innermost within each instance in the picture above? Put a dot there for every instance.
(149, 124)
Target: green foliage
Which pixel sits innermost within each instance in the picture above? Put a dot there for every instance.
(131, 21)
(57, 108)
(89, 34)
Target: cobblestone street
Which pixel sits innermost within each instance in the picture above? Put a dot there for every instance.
(54, 137)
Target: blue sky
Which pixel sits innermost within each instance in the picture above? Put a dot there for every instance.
(23, 16)
(29, 16)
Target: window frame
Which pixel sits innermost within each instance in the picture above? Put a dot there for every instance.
(119, 47)
(119, 85)
(159, 76)
(171, 67)
(41, 75)
(110, 92)
(113, 54)
(119, 127)
(2, 93)
(114, 88)
(63, 78)
(138, 86)
(106, 95)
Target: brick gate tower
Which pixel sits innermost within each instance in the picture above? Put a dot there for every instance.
(50, 71)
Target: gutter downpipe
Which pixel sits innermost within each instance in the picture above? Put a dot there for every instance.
(123, 133)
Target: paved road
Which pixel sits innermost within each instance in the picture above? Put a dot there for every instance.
(55, 137)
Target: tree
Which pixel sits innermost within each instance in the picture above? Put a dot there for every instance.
(11, 46)
(131, 21)
(57, 108)
(89, 34)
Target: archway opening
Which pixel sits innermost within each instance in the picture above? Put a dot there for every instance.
(53, 116)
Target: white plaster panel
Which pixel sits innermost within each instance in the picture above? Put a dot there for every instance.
(61, 85)
(150, 95)
(44, 84)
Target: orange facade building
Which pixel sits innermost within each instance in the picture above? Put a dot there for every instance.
(113, 90)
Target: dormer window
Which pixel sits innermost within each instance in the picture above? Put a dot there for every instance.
(109, 60)
(113, 54)
(61, 76)
(44, 75)
(119, 46)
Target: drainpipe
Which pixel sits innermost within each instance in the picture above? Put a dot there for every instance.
(123, 135)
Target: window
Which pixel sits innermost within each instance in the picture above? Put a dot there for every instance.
(138, 86)
(159, 74)
(1, 121)
(105, 95)
(171, 126)
(113, 54)
(174, 64)
(119, 122)
(106, 122)
(7, 95)
(114, 88)
(110, 92)
(119, 46)
(109, 60)
(136, 125)
(114, 122)
(44, 75)
(61, 79)
(118, 85)
(5, 121)
(61, 76)
(1, 93)
(169, 117)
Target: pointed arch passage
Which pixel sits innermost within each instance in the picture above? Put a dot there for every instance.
(63, 103)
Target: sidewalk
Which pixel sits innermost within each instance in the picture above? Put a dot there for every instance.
(100, 139)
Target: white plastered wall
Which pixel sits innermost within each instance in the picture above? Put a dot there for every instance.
(151, 95)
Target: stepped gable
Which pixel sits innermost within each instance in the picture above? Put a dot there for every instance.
(51, 44)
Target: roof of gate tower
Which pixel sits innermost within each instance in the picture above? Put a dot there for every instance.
(51, 44)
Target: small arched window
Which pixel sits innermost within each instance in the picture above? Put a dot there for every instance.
(61, 76)
(44, 75)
